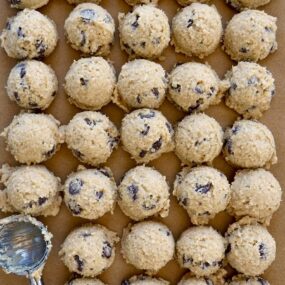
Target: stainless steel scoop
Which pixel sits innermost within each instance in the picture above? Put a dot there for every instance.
(25, 244)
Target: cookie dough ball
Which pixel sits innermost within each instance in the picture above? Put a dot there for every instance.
(89, 250)
(247, 4)
(201, 250)
(251, 89)
(251, 248)
(141, 84)
(244, 280)
(203, 192)
(197, 30)
(85, 281)
(90, 193)
(144, 32)
(33, 138)
(250, 36)
(144, 192)
(92, 137)
(32, 4)
(188, 2)
(148, 246)
(198, 139)
(255, 193)
(30, 190)
(249, 144)
(190, 279)
(146, 134)
(145, 280)
(194, 87)
(90, 29)
(90, 82)
(32, 85)
(83, 1)
(29, 34)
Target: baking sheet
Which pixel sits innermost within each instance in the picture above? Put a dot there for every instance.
(63, 162)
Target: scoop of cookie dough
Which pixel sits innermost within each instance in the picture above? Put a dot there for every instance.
(194, 87)
(90, 193)
(29, 34)
(188, 2)
(90, 82)
(251, 89)
(32, 4)
(92, 137)
(197, 30)
(148, 246)
(144, 192)
(244, 280)
(203, 192)
(85, 281)
(83, 1)
(250, 36)
(201, 250)
(255, 193)
(141, 84)
(90, 29)
(32, 84)
(249, 144)
(33, 138)
(251, 248)
(145, 280)
(144, 32)
(30, 190)
(89, 250)
(247, 4)
(198, 139)
(146, 134)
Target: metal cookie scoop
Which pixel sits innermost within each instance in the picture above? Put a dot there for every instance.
(25, 245)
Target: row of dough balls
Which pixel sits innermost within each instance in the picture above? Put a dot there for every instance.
(92, 137)
(91, 84)
(149, 246)
(143, 192)
(145, 32)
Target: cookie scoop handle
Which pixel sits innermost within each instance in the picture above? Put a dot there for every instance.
(34, 281)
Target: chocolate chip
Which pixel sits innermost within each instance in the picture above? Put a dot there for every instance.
(228, 144)
(203, 189)
(156, 41)
(253, 80)
(22, 67)
(262, 251)
(155, 92)
(89, 122)
(53, 94)
(135, 24)
(212, 90)
(107, 249)
(148, 115)
(125, 282)
(156, 145)
(176, 87)
(143, 44)
(186, 259)
(190, 23)
(143, 153)
(133, 191)
(113, 141)
(83, 38)
(146, 129)
(17, 97)
(235, 129)
(20, 32)
(33, 105)
(198, 89)
(41, 48)
(87, 15)
(243, 50)
(233, 86)
(75, 186)
(74, 208)
(262, 281)
(268, 29)
(149, 206)
(79, 262)
(42, 200)
(8, 25)
(128, 48)
(104, 172)
(195, 107)
(15, 2)
(183, 201)
(83, 81)
(228, 249)
(99, 195)
(208, 281)
(108, 19)
(50, 152)
(273, 93)
(205, 264)
(77, 153)
(139, 99)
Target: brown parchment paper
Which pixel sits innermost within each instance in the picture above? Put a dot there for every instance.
(63, 162)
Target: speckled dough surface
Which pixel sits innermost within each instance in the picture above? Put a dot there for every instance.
(92, 137)
(250, 36)
(146, 134)
(33, 138)
(198, 139)
(90, 82)
(90, 29)
(90, 193)
(194, 87)
(197, 30)
(138, 2)
(255, 193)
(145, 280)
(30, 190)
(85, 281)
(251, 89)
(141, 83)
(32, 4)
(89, 250)
(83, 1)
(247, 4)
(29, 34)
(203, 192)
(148, 246)
(201, 250)
(251, 248)
(144, 32)
(32, 84)
(244, 280)
(249, 144)
(144, 192)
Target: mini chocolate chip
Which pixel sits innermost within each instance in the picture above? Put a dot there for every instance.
(176, 87)
(75, 186)
(243, 50)
(42, 200)
(203, 189)
(205, 264)
(108, 19)
(208, 281)
(107, 249)
(17, 97)
(50, 152)
(20, 33)
(183, 201)
(15, 2)
(146, 129)
(148, 115)
(228, 249)
(41, 48)
(83, 38)
(143, 153)
(186, 259)
(155, 92)
(156, 41)
(195, 107)
(77, 153)
(135, 24)
(83, 81)
(235, 129)
(190, 23)
(253, 80)
(143, 44)
(139, 99)
(273, 93)
(169, 127)
(53, 94)
(262, 281)
(113, 141)
(148, 206)
(128, 48)
(212, 89)
(87, 15)
(133, 191)
(233, 86)
(125, 282)
(33, 105)
(89, 122)
(104, 172)
(79, 262)
(262, 251)
(22, 67)
(198, 89)
(228, 144)
(99, 195)
(75, 208)
(156, 145)
(268, 29)
(8, 25)
(168, 233)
